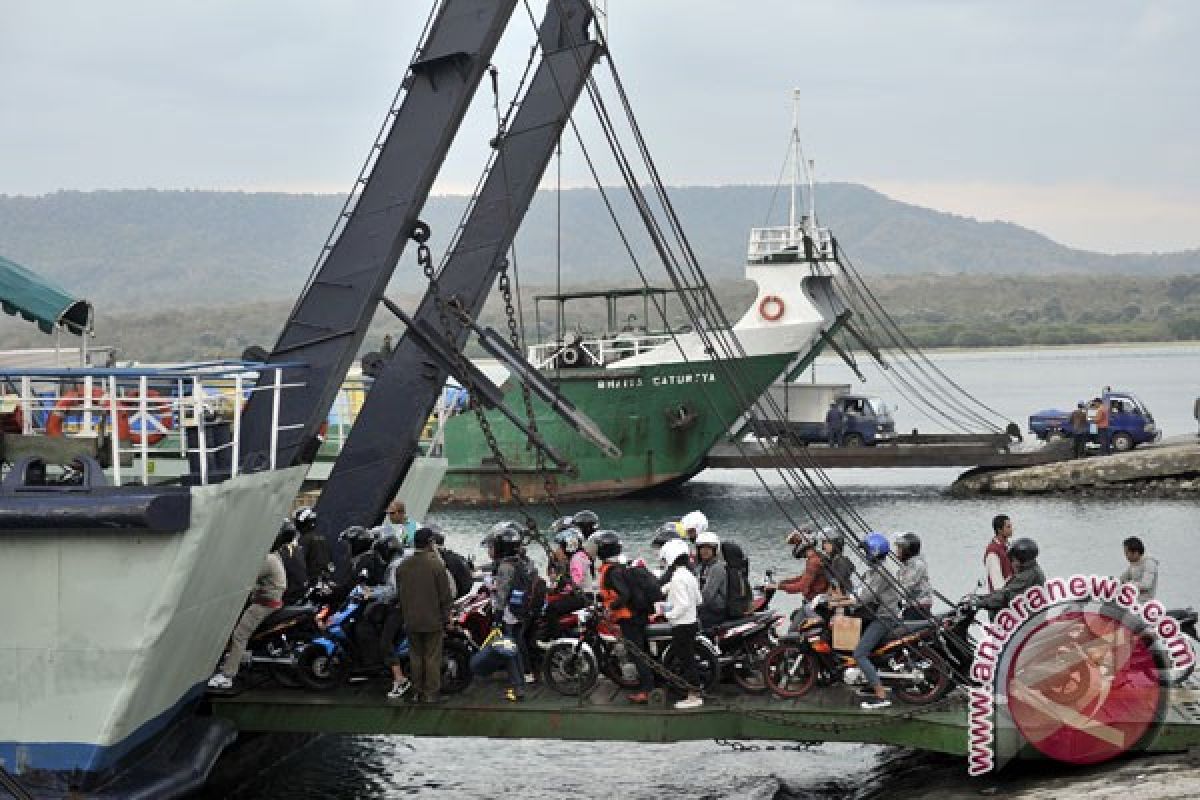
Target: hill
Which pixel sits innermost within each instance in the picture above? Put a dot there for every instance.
(145, 250)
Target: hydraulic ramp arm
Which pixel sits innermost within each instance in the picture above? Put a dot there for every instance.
(328, 324)
(385, 436)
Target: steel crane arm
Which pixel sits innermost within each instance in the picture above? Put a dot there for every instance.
(329, 322)
(385, 436)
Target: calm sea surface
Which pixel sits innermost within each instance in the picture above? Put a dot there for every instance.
(1074, 535)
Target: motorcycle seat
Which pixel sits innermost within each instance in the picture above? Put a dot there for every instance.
(915, 625)
(656, 630)
(287, 612)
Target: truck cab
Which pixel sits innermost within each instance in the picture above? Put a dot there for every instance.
(866, 418)
(1129, 421)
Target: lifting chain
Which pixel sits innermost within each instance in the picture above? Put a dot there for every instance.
(446, 308)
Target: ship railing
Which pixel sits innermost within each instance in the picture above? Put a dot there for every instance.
(595, 352)
(144, 415)
(769, 244)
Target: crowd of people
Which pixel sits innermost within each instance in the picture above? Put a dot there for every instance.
(410, 580)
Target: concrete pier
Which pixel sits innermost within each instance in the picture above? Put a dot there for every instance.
(1169, 468)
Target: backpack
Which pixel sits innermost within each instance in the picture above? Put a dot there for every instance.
(527, 591)
(739, 596)
(644, 590)
(457, 565)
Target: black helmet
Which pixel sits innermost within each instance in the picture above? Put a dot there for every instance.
(586, 521)
(287, 527)
(286, 535)
(389, 547)
(439, 538)
(508, 542)
(561, 524)
(1024, 550)
(499, 528)
(665, 533)
(908, 544)
(608, 544)
(358, 538)
(305, 519)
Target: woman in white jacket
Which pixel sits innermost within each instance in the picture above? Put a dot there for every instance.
(683, 597)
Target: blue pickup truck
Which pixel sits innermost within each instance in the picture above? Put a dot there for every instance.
(1129, 420)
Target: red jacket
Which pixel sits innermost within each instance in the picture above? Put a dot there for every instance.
(813, 582)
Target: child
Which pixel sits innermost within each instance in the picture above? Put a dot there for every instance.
(683, 597)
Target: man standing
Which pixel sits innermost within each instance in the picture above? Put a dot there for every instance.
(1079, 430)
(713, 580)
(397, 522)
(995, 559)
(1142, 571)
(425, 599)
(1102, 429)
(834, 422)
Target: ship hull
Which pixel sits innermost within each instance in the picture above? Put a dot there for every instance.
(110, 636)
(663, 417)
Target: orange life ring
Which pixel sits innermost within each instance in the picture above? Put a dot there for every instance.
(771, 308)
(161, 418)
(71, 402)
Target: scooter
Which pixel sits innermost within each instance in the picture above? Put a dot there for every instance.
(332, 658)
(284, 633)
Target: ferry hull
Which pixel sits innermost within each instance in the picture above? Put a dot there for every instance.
(109, 637)
(664, 418)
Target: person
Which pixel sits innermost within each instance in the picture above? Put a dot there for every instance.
(267, 596)
(671, 529)
(616, 595)
(1102, 429)
(815, 578)
(838, 568)
(995, 558)
(835, 421)
(385, 603)
(913, 577)
(693, 523)
(713, 579)
(459, 568)
(880, 603)
(1023, 553)
(512, 584)
(683, 599)
(570, 577)
(587, 522)
(396, 522)
(500, 652)
(292, 555)
(1078, 423)
(317, 555)
(425, 599)
(1196, 414)
(1142, 570)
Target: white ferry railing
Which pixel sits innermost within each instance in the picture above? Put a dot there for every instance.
(112, 400)
(766, 242)
(600, 351)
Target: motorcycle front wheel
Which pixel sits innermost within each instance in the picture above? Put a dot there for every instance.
(789, 671)
(933, 683)
(317, 670)
(749, 662)
(569, 669)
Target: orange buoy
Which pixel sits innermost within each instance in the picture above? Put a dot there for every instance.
(71, 403)
(160, 418)
(771, 308)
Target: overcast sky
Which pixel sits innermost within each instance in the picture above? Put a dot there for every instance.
(1078, 118)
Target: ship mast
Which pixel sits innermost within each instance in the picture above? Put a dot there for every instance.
(795, 162)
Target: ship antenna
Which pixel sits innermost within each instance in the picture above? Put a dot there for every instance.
(812, 196)
(795, 163)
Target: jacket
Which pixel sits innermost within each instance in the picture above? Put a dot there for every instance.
(270, 582)
(997, 563)
(879, 595)
(424, 591)
(1143, 574)
(614, 591)
(683, 598)
(813, 582)
(913, 578)
(713, 582)
(1028, 575)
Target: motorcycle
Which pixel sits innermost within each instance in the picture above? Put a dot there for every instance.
(334, 657)
(912, 661)
(284, 633)
(572, 665)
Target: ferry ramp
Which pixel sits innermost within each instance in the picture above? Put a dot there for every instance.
(827, 715)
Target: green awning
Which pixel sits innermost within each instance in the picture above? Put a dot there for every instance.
(40, 301)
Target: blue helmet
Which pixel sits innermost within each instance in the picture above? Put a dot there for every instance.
(876, 545)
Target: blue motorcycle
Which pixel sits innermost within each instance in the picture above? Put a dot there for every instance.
(333, 657)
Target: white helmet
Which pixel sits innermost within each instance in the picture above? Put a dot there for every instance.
(672, 550)
(709, 538)
(694, 521)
